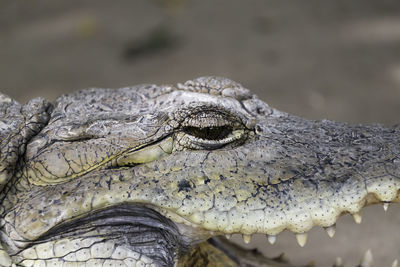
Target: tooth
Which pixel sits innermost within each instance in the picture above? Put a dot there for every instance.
(367, 259)
(228, 236)
(385, 206)
(301, 239)
(331, 230)
(357, 217)
(246, 238)
(395, 263)
(338, 262)
(271, 239)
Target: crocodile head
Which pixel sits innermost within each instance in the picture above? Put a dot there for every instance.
(139, 175)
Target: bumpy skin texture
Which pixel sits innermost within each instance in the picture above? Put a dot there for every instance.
(136, 176)
(18, 124)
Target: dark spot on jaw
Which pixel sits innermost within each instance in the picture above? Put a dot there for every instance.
(159, 191)
(184, 185)
(109, 183)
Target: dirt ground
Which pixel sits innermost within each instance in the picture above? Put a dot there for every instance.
(338, 60)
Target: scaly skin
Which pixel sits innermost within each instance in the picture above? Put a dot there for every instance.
(140, 175)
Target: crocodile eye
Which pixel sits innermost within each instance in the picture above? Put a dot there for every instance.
(209, 133)
(210, 129)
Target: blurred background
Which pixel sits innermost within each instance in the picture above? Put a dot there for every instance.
(338, 60)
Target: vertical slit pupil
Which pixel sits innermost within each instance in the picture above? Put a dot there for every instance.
(209, 133)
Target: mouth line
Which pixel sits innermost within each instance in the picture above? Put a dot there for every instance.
(159, 217)
(301, 237)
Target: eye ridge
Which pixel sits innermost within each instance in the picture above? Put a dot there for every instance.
(209, 133)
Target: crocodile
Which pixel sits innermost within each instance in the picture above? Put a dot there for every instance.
(144, 175)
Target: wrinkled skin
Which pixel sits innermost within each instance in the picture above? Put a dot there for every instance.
(139, 176)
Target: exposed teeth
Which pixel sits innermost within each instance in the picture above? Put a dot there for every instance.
(357, 217)
(246, 238)
(338, 262)
(385, 206)
(271, 239)
(331, 230)
(301, 239)
(367, 259)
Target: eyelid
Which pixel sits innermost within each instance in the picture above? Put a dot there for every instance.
(201, 119)
(201, 110)
(209, 116)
